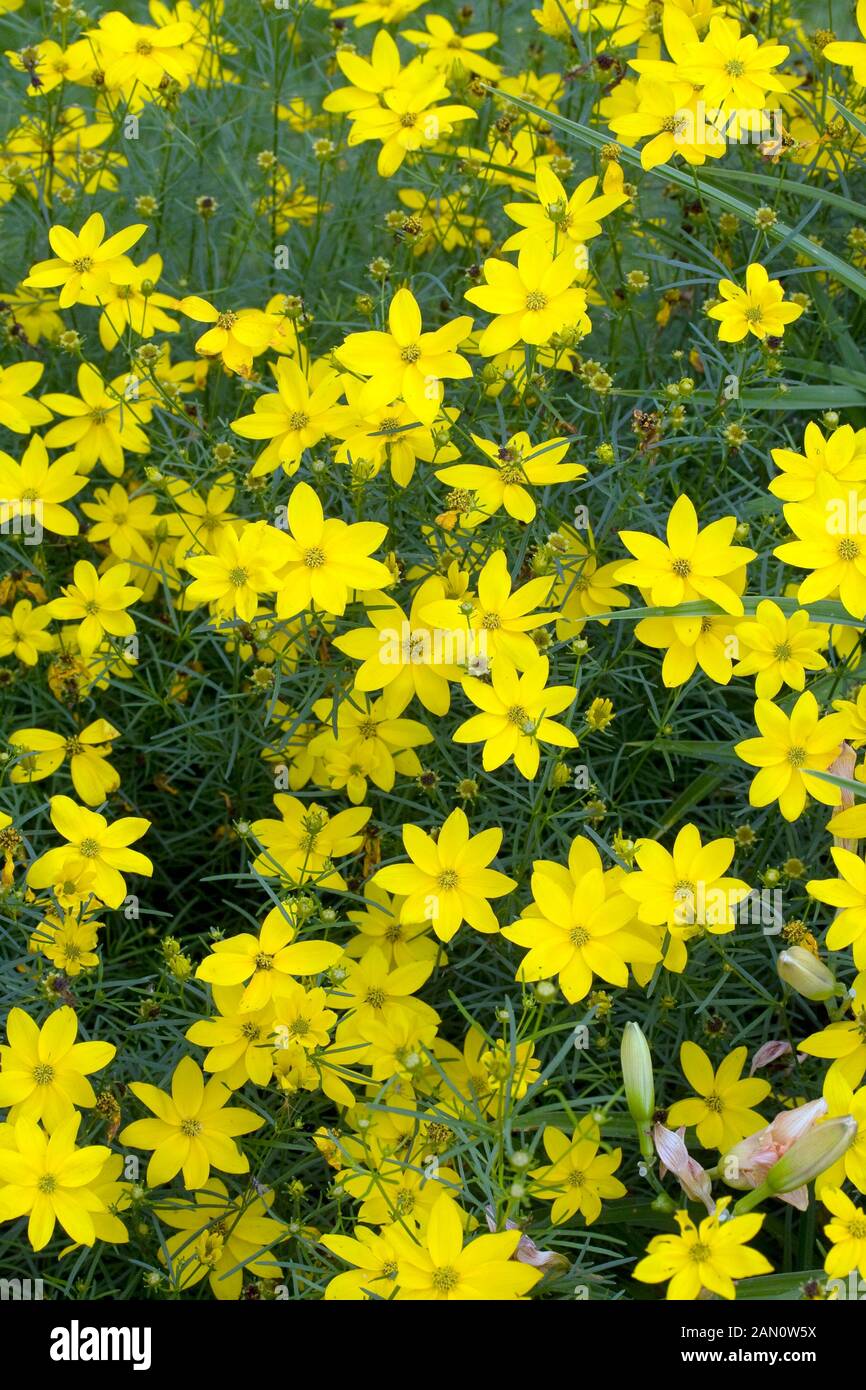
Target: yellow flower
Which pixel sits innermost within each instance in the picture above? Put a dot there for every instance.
(267, 961)
(532, 300)
(722, 1109)
(97, 603)
(222, 1239)
(294, 418)
(372, 730)
(517, 466)
(410, 118)
(789, 749)
(779, 649)
(438, 1267)
(830, 543)
(516, 716)
(843, 1043)
(707, 642)
(69, 944)
(734, 70)
(577, 1176)
(86, 263)
(237, 335)
(123, 520)
(44, 1075)
(102, 424)
(239, 570)
(848, 1231)
(142, 57)
(303, 844)
(326, 558)
(22, 633)
(710, 1256)
(97, 846)
(578, 925)
(760, 309)
(380, 928)
(444, 47)
(132, 304)
(842, 455)
(33, 491)
(193, 1131)
(671, 114)
(557, 219)
(497, 621)
(406, 361)
(376, 1265)
(448, 880)
(240, 1040)
(17, 412)
(847, 894)
(53, 1181)
(692, 565)
(851, 55)
(42, 752)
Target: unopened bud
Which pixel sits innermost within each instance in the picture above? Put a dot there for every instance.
(637, 1074)
(806, 974)
(812, 1154)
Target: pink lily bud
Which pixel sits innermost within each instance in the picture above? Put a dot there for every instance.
(675, 1158)
(527, 1252)
(747, 1164)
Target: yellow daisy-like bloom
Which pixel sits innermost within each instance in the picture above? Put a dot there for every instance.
(779, 649)
(194, 1130)
(847, 894)
(444, 46)
(685, 890)
(33, 491)
(843, 1100)
(842, 456)
(516, 715)
(734, 70)
(438, 1267)
(409, 118)
(498, 621)
(102, 424)
(86, 263)
(380, 928)
(222, 1239)
(577, 1176)
(722, 1109)
(268, 962)
(760, 309)
(98, 604)
(41, 752)
(710, 1256)
(22, 632)
(532, 300)
(44, 1070)
(302, 846)
(326, 558)
(789, 749)
(96, 846)
(557, 219)
(53, 1181)
(847, 1233)
(294, 418)
(518, 466)
(694, 564)
(236, 335)
(688, 643)
(240, 1041)
(406, 361)
(240, 568)
(843, 1043)
(851, 55)
(17, 411)
(831, 543)
(669, 113)
(577, 925)
(449, 880)
(855, 713)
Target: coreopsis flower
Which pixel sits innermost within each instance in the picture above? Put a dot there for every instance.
(449, 880)
(577, 1176)
(33, 491)
(710, 1256)
(780, 649)
(379, 926)
(326, 558)
(370, 77)
(123, 520)
(676, 122)
(760, 309)
(103, 424)
(847, 1232)
(531, 300)
(222, 1239)
(131, 303)
(406, 361)
(515, 716)
(686, 889)
(50, 1181)
(577, 925)
(240, 1041)
(847, 894)
(559, 220)
(830, 543)
(582, 588)
(375, 994)
(446, 47)
(734, 70)
(236, 336)
(413, 115)
(295, 417)
(69, 943)
(693, 564)
(842, 456)
(17, 411)
(373, 730)
(266, 963)
(498, 620)
(439, 1267)
(391, 1189)
(93, 845)
(406, 656)
(516, 467)
(142, 56)
(22, 632)
(374, 1261)
(41, 752)
(44, 1070)
(242, 566)
(194, 1130)
(689, 642)
(790, 748)
(722, 1109)
(303, 844)
(85, 262)
(98, 603)
(851, 54)
(844, 1044)
(391, 434)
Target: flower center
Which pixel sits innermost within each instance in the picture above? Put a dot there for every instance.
(47, 1184)
(191, 1128)
(227, 320)
(517, 715)
(375, 997)
(238, 576)
(263, 961)
(410, 353)
(848, 549)
(782, 652)
(699, 1252)
(714, 1103)
(754, 314)
(536, 301)
(43, 1074)
(734, 67)
(448, 879)
(578, 936)
(445, 1278)
(83, 264)
(298, 420)
(89, 848)
(682, 568)
(796, 756)
(314, 558)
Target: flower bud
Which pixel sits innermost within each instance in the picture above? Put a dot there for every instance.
(637, 1074)
(810, 1155)
(803, 972)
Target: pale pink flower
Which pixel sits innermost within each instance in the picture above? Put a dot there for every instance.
(675, 1158)
(747, 1164)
